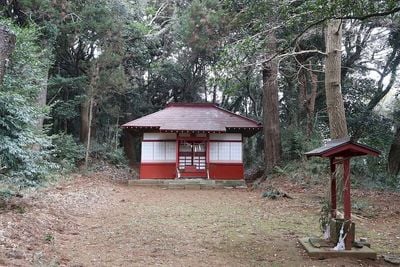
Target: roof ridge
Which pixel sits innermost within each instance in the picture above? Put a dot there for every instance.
(238, 115)
(185, 104)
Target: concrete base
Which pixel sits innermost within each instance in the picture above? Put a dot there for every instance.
(324, 252)
(189, 183)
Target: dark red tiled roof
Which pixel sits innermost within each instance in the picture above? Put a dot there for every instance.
(345, 147)
(198, 117)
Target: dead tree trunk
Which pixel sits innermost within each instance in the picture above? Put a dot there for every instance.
(41, 102)
(272, 134)
(42, 96)
(334, 99)
(394, 154)
(302, 96)
(311, 102)
(7, 45)
(42, 99)
(92, 87)
(89, 132)
(84, 116)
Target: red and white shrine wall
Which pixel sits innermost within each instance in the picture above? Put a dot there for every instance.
(217, 156)
(225, 160)
(158, 156)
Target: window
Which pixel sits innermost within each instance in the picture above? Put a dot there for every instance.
(158, 151)
(226, 152)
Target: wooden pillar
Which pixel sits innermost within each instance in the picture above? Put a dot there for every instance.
(333, 188)
(177, 156)
(347, 203)
(208, 156)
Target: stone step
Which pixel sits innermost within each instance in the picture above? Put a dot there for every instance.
(189, 183)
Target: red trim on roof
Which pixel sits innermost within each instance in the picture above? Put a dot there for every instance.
(350, 149)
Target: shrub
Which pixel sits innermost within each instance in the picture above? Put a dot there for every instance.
(108, 152)
(25, 150)
(67, 152)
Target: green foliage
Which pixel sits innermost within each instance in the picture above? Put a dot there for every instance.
(325, 9)
(25, 150)
(67, 152)
(6, 194)
(306, 172)
(253, 152)
(273, 193)
(201, 26)
(151, 53)
(49, 238)
(372, 171)
(108, 152)
(295, 143)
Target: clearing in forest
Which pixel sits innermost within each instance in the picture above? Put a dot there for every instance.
(94, 221)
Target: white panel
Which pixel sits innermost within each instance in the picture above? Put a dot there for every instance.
(147, 151)
(159, 136)
(159, 151)
(170, 151)
(213, 151)
(224, 151)
(236, 151)
(227, 136)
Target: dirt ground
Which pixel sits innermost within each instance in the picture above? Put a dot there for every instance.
(95, 221)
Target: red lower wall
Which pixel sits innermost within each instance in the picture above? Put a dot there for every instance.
(218, 171)
(226, 171)
(157, 171)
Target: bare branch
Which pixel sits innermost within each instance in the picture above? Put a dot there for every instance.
(293, 53)
(158, 33)
(160, 9)
(372, 15)
(368, 16)
(369, 69)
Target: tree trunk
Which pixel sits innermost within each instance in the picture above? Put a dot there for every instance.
(128, 141)
(394, 154)
(301, 98)
(7, 45)
(92, 87)
(334, 99)
(311, 102)
(42, 96)
(214, 95)
(42, 100)
(84, 121)
(272, 135)
(89, 132)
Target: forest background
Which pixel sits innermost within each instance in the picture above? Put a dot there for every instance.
(71, 72)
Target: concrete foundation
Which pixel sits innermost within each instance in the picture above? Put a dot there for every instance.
(328, 252)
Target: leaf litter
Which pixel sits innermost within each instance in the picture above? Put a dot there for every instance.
(97, 220)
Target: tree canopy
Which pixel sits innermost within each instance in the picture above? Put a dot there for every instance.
(79, 69)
